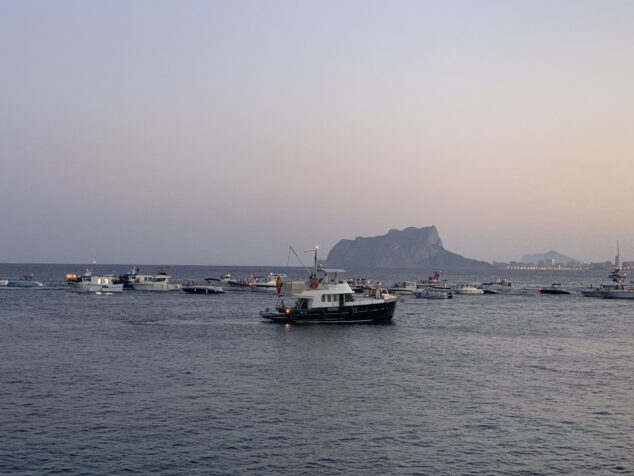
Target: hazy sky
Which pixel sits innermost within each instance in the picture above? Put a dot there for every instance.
(200, 132)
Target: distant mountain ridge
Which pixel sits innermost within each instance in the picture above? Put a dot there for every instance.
(410, 248)
(551, 255)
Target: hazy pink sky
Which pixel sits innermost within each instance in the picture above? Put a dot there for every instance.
(197, 132)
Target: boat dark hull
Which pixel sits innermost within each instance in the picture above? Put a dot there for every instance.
(201, 290)
(553, 291)
(364, 314)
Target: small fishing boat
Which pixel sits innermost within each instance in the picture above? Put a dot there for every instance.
(89, 283)
(553, 289)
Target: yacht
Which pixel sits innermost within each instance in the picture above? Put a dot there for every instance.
(325, 299)
(89, 283)
(149, 282)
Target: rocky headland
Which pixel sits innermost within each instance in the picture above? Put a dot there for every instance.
(408, 248)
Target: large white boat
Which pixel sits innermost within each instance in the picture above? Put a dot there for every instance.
(150, 282)
(325, 299)
(89, 283)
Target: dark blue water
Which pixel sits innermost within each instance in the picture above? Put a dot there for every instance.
(171, 383)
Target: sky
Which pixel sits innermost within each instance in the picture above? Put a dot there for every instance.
(220, 133)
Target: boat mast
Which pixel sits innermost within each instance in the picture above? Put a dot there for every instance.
(300, 260)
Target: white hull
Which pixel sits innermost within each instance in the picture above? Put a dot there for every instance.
(95, 288)
(590, 292)
(432, 294)
(618, 294)
(152, 286)
(469, 291)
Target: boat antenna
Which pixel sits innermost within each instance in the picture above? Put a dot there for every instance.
(300, 260)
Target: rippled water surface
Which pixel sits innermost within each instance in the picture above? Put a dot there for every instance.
(171, 383)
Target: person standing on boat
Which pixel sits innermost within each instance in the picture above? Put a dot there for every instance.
(377, 290)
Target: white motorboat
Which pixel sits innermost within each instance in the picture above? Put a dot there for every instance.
(325, 299)
(433, 293)
(405, 287)
(501, 286)
(267, 283)
(471, 289)
(207, 288)
(26, 281)
(158, 282)
(231, 281)
(89, 283)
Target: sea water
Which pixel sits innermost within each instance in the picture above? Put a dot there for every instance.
(172, 383)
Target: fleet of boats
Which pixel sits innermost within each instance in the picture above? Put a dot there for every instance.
(323, 297)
